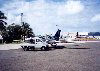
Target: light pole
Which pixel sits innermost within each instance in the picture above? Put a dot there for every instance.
(21, 18)
(22, 23)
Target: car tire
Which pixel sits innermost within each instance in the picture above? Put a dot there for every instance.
(32, 48)
(26, 48)
(43, 48)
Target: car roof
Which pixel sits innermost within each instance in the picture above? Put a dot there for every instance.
(32, 38)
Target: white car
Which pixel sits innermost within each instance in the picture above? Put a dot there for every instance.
(34, 43)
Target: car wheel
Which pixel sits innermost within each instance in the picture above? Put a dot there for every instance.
(42, 48)
(26, 48)
(32, 48)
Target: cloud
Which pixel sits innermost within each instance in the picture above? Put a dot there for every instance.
(41, 15)
(95, 18)
(71, 7)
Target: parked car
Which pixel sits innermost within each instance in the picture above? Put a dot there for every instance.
(34, 43)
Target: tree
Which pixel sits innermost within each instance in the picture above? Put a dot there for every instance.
(26, 30)
(14, 31)
(2, 22)
(94, 34)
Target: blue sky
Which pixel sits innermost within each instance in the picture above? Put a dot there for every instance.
(44, 15)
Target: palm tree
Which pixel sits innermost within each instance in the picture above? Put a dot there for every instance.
(2, 22)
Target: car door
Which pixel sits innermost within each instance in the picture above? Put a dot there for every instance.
(38, 43)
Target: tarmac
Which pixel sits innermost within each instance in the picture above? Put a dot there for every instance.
(74, 57)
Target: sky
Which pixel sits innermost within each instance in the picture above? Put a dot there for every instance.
(46, 16)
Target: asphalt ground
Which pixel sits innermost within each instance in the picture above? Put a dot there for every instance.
(75, 57)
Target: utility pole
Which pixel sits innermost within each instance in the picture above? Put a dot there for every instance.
(22, 23)
(21, 18)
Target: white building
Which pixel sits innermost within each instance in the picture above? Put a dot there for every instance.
(97, 37)
(73, 34)
(83, 33)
